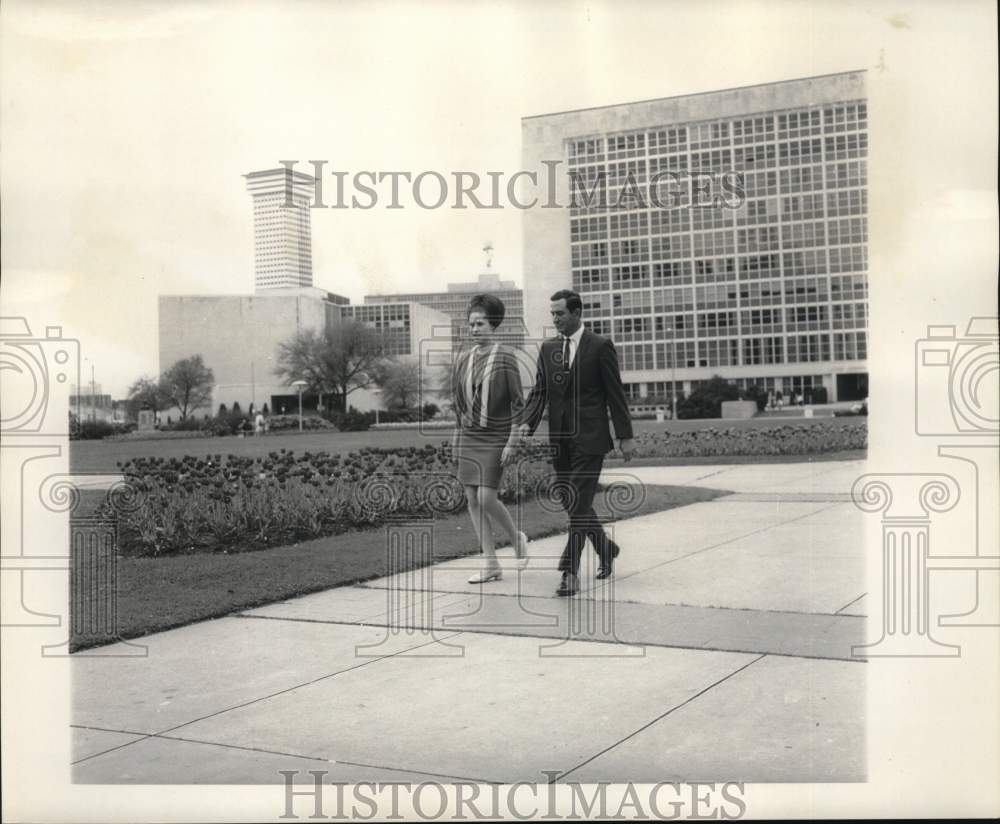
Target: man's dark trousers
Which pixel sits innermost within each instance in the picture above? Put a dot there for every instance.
(577, 474)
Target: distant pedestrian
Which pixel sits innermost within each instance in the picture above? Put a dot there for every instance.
(258, 425)
(778, 400)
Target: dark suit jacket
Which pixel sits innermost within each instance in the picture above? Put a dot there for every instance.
(579, 400)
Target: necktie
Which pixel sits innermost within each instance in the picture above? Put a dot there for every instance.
(565, 353)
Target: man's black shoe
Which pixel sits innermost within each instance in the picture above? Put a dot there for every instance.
(605, 570)
(569, 585)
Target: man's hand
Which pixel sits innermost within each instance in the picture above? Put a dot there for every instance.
(627, 446)
(508, 454)
(523, 431)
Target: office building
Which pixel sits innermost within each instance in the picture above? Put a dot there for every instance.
(774, 292)
(281, 228)
(455, 302)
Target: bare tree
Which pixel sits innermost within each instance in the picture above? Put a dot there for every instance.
(145, 393)
(350, 356)
(403, 386)
(188, 385)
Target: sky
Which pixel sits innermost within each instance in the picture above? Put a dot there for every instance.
(126, 128)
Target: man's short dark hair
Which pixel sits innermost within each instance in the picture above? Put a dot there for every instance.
(573, 302)
(491, 306)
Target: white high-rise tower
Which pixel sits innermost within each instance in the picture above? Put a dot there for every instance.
(282, 237)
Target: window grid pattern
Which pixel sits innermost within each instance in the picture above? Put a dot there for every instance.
(782, 279)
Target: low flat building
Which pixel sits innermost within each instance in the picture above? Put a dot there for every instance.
(238, 337)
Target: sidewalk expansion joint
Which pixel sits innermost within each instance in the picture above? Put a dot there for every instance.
(451, 632)
(657, 719)
(318, 758)
(729, 541)
(851, 603)
(584, 591)
(257, 700)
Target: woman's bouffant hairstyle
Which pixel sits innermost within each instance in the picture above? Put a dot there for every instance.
(491, 306)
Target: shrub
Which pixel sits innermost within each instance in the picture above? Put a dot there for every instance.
(799, 439)
(284, 423)
(353, 421)
(757, 394)
(706, 400)
(95, 430)
(186, 425)
(429, 410)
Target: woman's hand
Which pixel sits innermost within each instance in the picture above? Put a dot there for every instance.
(508, 454)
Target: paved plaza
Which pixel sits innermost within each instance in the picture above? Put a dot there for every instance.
(719, 651)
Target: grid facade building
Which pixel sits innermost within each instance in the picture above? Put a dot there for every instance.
(403, 325)
(773, 292)
(281, 228)
(455, 302)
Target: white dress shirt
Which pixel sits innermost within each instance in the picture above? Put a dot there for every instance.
(574, 343)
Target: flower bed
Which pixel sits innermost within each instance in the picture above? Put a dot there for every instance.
(161, 435)
(791, 439)
(222, 503)
(422, 425)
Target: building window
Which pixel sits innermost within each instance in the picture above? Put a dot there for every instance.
(808, 348)
(762, 350)
(850, 345)
(794, 235)
(716, 324)
(719, 352)
(759, 266)
(848, 230)
(590, 280)
(672, 273)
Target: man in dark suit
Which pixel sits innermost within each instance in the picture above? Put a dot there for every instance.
(578, 378)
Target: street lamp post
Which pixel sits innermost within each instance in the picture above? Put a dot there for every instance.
(300, 385)
(673, 373)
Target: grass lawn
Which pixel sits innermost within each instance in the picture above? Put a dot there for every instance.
(102, 456)
(159, 593)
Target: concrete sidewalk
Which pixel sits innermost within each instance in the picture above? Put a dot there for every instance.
(719, 651)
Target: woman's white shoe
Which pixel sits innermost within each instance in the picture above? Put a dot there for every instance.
(486, 576)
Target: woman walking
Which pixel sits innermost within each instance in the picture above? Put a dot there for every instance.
(486, 386)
